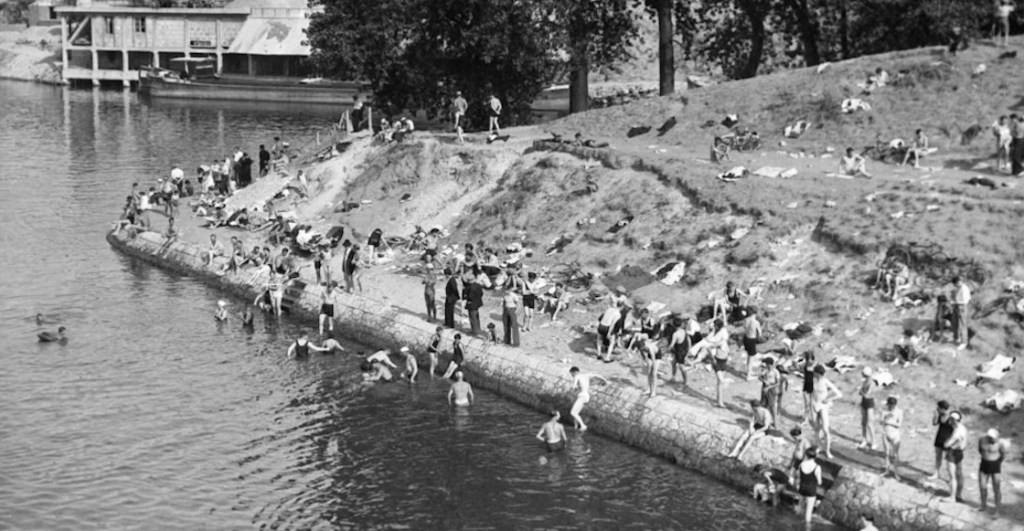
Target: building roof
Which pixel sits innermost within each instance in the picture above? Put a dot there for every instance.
(272, 36)
(276, 4)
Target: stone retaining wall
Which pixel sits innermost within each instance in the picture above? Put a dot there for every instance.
(688, 434)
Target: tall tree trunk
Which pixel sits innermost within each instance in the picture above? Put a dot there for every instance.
(666, 50)
(579, 86)
(756, 12)
(808, 29)
(844, 28)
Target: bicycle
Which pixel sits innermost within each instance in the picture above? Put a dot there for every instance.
(571, 275)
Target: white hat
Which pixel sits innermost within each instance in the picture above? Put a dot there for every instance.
(404, 349)
(222, 303)
(993, 434)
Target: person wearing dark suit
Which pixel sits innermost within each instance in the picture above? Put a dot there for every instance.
(451, 298)
(474, 295)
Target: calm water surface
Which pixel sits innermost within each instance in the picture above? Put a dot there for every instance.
(155, 417)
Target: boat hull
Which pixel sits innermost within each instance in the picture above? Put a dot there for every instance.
(199, 90)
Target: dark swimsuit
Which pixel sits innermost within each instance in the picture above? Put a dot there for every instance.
(530, 301)
(991, 468)
(327, 309)
(301, 351)
(809, 380)
(943, 434)
(808, 482)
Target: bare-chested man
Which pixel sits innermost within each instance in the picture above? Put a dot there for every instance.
(461, 393)
(992, 452)
(552, 434)
(581, 380)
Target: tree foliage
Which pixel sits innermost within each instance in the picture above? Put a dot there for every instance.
(414, 54)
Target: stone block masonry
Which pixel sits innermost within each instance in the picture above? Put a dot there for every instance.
(688, 434)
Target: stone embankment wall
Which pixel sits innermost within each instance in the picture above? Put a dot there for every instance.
(689, 434)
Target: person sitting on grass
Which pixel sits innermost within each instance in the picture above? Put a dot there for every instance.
(910, 347)
(917, 148)
(853, 165)
(943, 319)
(719, 150)
(897, 280)
(556, 300)
(760, 420)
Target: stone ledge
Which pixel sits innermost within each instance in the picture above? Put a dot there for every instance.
(690, 435)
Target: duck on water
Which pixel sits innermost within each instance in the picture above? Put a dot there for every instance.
(53, 337)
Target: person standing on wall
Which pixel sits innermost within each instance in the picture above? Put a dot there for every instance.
(452, 296)
(510, 304)
(474, 295)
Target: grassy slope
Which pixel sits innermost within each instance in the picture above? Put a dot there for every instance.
(503, 193)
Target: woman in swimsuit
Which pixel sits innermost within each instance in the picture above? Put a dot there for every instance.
(808, 383)
(759, 423)
(432, 350)
(276, 291)
(945, 429)
(652, 351)
(867, 411)
(808, 482)
(892, 421)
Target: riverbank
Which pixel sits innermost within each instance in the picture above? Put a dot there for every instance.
(480, 191)
(31, 54)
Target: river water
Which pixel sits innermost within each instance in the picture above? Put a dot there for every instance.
(154, 417)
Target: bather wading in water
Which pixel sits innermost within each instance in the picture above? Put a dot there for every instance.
(461, 393)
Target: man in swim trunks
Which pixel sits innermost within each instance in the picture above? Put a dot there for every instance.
(608, 332)
(327, 300)
(331, 345)
(461, 393)
(581, 380)
(992, 451)
(457, 357)
(216, 249)
(716, 344)
(825, 392)
(892, 421)
(552, 434)
(955, 455)
(378, 371)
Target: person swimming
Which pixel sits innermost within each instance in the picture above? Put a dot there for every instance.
(377, 371)
(50, 337)
(552, 433)
(461, 393)
(222, 311)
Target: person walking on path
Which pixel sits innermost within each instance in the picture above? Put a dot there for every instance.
(945, 429)
(452, 296)
(955, 446)
(493, 113)
(961, 298)
(992, 451)
(582, 381)
(459, 107)
(474, 295)
(510, 304)
(808, 482)
(892, 423)
(825, 392)
(867, 410)
(552, 434)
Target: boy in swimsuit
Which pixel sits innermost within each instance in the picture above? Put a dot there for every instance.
(652, 352)
(993, 451)
(457, 357)
(867, 410)
(331, 345)
(327, 298)
(892, 421)
(552, 434)
(411, 367)
(581, 380)
(760, 420)
(461, 392)
(825, 392)
(222, 311)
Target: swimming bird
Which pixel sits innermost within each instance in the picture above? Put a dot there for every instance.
(50, 337)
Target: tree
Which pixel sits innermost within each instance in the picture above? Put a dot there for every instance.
(727, 34)
(662, 9)
(597, 33)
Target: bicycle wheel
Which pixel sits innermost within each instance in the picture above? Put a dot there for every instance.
(900, 254)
